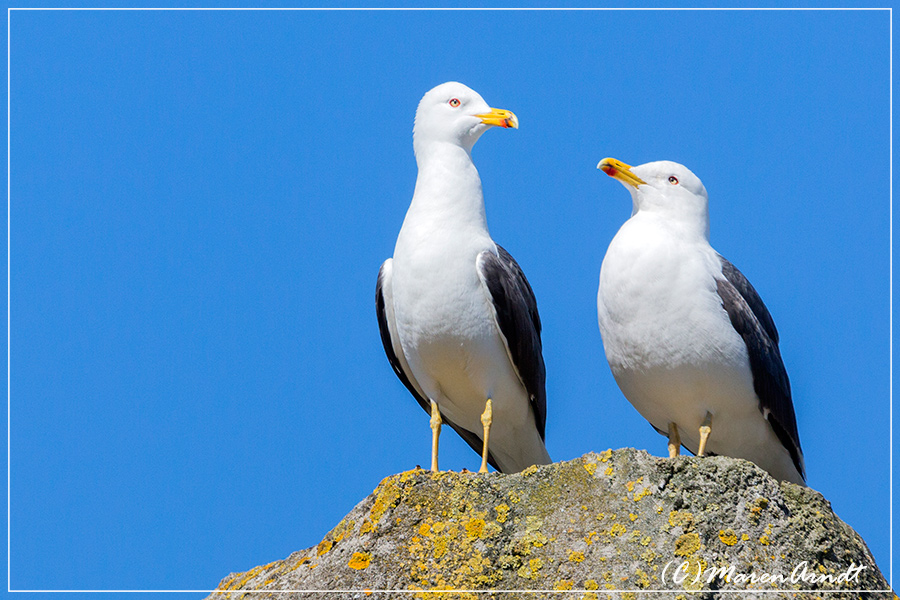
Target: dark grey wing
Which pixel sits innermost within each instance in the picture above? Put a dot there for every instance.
(398, 362)
(517, 316)
(751, 319)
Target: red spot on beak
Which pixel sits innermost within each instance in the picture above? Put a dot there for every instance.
(609, 170)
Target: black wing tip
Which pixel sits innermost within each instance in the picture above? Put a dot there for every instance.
(790, 443)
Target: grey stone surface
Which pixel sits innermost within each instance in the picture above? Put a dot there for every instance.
(617, 524)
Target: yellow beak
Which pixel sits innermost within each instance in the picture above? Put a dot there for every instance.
(500, 117)
(619, 170)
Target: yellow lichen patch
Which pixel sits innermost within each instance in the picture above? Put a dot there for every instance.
(241, 578)
(642, 494)
(643, 580)
(407, 475)
(617, 529)
(532, 537)
(510, 561)
(386, 498)
(744, 537)
(728, 537)
(441, 543)
(764, 540)
(591, 584)
(632, 516)
(502, 512)
(323, 547)
(590, 467)
(343, 529)
(757, 507)
(514, 497)
(225, 584)
(359, 560)
(608, 472)
(630, 485)
(529, 471)
(475, 528)
(303, 560)
(695, 569)
(564, 584)
(444, 556)
(576, 556)
(649, 556)
(530, 570)
(589, 538)
(645, 541)
(366, 527)
(681, 518)
(491, 529)
(589, 596)
(687, 544)
(604, 456)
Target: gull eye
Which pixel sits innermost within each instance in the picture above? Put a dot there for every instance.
(673, 180)
(454, 102)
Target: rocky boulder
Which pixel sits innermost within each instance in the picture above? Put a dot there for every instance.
(607, 525)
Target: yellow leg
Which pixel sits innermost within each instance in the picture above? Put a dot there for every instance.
(705, 428)
(486, 418)
(435, 433)
(674, 441)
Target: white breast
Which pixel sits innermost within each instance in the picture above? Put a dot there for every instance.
(669, 343)
(444, 317)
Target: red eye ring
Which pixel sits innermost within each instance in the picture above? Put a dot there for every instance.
(673, 180)
(454, 102)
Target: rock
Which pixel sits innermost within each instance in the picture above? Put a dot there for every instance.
(618, 520)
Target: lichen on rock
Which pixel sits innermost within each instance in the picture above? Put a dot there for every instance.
(609, 525)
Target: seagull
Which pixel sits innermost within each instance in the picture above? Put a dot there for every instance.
(458, 320)
(688, 339)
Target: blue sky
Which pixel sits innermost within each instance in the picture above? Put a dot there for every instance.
(200, 202)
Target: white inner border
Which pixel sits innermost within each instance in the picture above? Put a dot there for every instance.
(754, 591)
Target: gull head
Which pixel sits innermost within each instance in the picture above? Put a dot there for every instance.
(456, 114)
(662, 186)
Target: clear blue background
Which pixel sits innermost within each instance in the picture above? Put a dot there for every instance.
(200, 202)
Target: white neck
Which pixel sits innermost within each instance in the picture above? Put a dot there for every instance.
(448, 188)
(691, 222)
